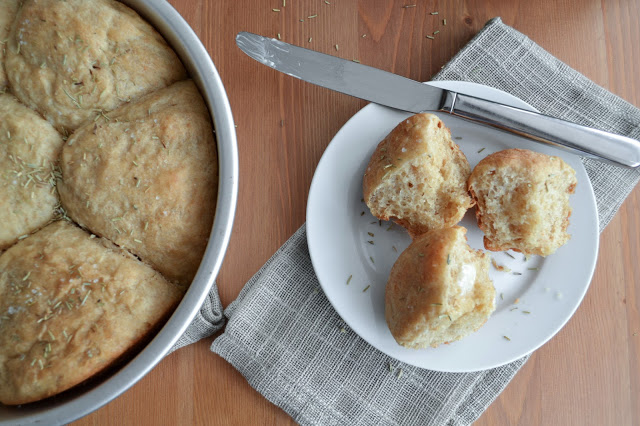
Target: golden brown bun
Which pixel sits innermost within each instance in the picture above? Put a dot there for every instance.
(417, 177)
(439, 290)
(8, 9)
(29, 150)
(70, 305)
(68, 59)
(523, 201)
(146, 179)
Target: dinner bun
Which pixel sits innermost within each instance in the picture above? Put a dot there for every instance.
(523, 201)
(71, 306)
(439, 290)
(417, 177)
(72, 59)
(29, 150)
(145, 177)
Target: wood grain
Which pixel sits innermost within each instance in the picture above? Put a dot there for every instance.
(588, 374)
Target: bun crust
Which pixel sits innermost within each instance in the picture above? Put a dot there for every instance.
(70, 306)
(417, 177)
(70, 59)
(523, 201)
(8, 9)
(159, 153)
(439, 290)
(29, 150)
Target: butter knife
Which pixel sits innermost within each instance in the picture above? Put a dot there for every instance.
(401, 93)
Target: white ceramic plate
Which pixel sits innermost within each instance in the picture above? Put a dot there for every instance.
(531, 307)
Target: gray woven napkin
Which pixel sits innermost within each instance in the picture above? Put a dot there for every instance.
(289, 343)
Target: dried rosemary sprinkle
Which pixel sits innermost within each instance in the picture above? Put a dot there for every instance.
(436, 32)
(26, 277)
(312, 16)
(362, 213)
(532, 269)
(448, 259)
(370, 242)
(371, 258)
(409, 5)
(342, 330)
(276, 10)
(501, 296)
(506, 337)
(510, 255)
(394, 248)
(390, 367)
(279, 38)
(349, 279)
(444, 22)
(526, 312)
(310, 38)
(431, 37)
(513, 309)
(434, 13)
(366, 288)
(86, 296)
(74, 100)
(420, 254)
(356, 61)
(480, 150)
(517, 273)
(337, 48)
(326, 2)
(399, 373)
(371, 234)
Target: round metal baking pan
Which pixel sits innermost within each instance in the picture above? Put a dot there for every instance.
(86, 398)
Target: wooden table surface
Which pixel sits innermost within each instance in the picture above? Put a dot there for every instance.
(589, 373)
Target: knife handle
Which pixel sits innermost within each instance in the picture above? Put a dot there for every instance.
(582, 140)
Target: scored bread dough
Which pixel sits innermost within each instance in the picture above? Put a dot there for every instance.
(417, 177)
(29, 150)
(71, 60)
(145, 176)
(71, 306)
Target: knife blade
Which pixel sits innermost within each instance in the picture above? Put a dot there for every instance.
(402, 93)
